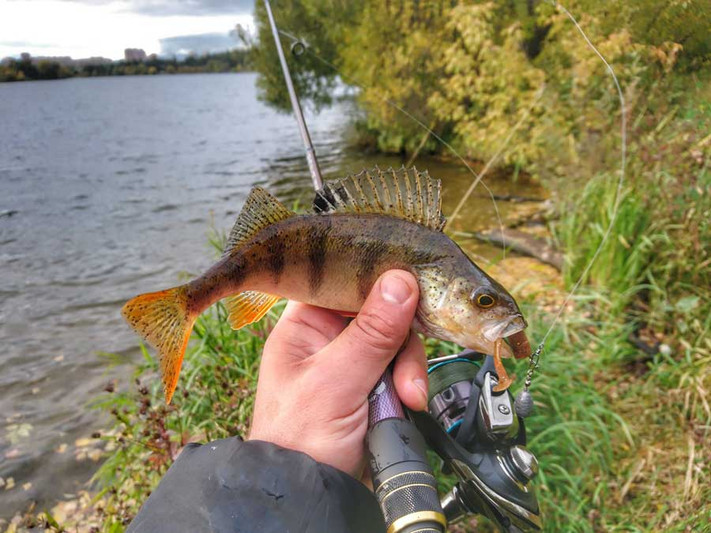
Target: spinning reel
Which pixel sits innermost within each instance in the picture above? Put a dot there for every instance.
(481, 437)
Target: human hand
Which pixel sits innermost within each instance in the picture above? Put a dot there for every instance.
(317, 371)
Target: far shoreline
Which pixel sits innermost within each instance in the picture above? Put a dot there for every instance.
(40, 69)
(159, 74)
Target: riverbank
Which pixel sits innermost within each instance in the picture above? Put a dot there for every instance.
(623, 416)
(620, 433)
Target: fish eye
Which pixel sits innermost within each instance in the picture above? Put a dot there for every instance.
(485, 300)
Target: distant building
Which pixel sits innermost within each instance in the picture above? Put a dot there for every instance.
(134, 54)
(62, 60)
(24, 56)
(90, 61)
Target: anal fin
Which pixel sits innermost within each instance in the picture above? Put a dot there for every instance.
(248, 307)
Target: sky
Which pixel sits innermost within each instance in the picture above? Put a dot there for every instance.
(86, 28)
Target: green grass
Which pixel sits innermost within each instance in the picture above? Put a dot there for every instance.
(213, 400)
(622, 436)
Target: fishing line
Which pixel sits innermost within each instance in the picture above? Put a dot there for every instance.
(478, 177)
(533, 362)
(620, 182)
(534, 358)
(490, 162)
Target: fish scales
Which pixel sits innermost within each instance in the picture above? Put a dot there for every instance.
(364, 225)
(345, 255)
(317, 245)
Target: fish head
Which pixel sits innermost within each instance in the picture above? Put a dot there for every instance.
(472, 310)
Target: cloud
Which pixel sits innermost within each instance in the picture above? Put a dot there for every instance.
(164, 8)
(21, 45)
(203, 43)
(191, 7)
(98, 28)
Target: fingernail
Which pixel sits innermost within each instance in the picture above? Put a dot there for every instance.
(422, 385)
(394, 289)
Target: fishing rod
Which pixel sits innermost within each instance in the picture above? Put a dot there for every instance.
(295, 105)
(478, 433)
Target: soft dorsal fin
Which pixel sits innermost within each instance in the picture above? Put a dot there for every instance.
(260, 210)
(403, 193)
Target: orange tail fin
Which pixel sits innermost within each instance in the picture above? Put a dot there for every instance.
(163, 320)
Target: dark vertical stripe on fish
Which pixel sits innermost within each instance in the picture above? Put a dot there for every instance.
(370, 255)
(317, 242)
(275, 256)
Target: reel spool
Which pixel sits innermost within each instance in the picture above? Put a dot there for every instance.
(481, 438)
(449, 390)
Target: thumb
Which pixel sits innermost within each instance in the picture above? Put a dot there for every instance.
(360, 354)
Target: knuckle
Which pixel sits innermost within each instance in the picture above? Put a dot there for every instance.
(377, 329)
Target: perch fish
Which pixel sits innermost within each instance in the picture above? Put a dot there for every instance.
(362, 226)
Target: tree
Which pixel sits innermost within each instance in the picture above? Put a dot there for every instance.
(322, 26)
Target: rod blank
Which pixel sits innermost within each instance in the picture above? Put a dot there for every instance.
(303, 130)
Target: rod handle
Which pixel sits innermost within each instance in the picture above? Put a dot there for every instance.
(404, 484)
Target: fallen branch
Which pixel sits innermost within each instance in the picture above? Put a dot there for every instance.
(513, 198)
(523, 243)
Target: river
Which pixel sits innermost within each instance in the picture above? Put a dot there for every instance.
(109, 188)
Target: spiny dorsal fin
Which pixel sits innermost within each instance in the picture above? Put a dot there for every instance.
(260, 210)
(248, 307)
(403, 193)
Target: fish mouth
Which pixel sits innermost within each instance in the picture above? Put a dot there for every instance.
(512, 331)
(503, 328)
